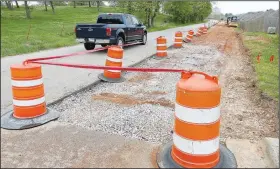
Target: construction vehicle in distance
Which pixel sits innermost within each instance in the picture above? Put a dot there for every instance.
(232, 21)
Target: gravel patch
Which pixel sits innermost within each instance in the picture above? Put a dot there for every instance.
(142, 107)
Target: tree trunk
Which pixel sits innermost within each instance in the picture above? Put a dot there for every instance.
(51, 2)
(46, 6)
(149, 18)
(17, 4)
(89, 4)
(98, 5)
(146, 17)
(27, 10)
(155, 13)
(129, 7)
(74, 4)
(9, 5)
(152, 20)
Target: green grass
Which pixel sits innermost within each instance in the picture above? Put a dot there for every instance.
(268, 73)
(49, 30)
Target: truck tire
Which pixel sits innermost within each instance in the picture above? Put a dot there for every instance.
(120, 41)
(144, 39)
(89, 46)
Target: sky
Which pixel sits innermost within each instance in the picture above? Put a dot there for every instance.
(238, 7)
(235, 7)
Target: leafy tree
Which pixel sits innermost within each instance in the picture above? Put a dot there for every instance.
(59, 3)
(150, 8)
(17, 4)
(228, 15)
(51, 2)
(9, 5)
(27, 10)
(46, 6)
(188, 11)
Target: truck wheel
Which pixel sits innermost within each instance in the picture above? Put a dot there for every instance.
(120, 41)
(144, 39)
(89, 46)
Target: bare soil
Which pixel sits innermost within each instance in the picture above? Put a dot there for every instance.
(246, 113)
(129, 100)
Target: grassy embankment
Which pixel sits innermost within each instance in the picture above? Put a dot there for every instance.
(268, 73)
(49, 30)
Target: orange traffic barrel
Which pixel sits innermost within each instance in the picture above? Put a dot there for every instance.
(199, 32)
(204, 31)
(197, 124)
(161, 47)
(29, 105)
(114, 59)
(178, 43)
(189, 36)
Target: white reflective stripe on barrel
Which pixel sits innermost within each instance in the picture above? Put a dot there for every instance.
(197, 116)
(114, 60)
(161, 51)
(196, 147)
(114, 70)
(25, 103)
(27, 83)
(178, 37)
(161, 44)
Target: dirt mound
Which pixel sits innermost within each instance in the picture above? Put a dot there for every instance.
(246, 113)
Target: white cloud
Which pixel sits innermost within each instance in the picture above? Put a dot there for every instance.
(238, 7)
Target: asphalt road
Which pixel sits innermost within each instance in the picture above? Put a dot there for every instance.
(62, 81)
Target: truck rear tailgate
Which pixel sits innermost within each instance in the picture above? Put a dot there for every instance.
(91, 30)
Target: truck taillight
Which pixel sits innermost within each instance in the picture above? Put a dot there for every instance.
(75, 30)
(108, 31)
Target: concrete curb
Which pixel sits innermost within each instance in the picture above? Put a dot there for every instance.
(272, 150)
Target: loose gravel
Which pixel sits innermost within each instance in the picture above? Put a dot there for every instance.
(142, 107)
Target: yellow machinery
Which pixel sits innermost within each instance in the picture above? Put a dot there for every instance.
(232, 21)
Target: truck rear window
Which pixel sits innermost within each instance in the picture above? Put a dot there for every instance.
(110, 19)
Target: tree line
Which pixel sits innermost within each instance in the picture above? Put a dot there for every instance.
(52, 4)
(178, 11)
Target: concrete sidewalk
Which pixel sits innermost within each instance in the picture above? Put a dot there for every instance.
(62, 81)
(255, 153)
(57, 145)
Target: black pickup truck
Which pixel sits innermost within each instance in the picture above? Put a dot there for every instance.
(111, 29)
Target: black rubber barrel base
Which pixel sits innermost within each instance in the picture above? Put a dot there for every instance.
(159, 58)
(164, 159)
(103, 78)
(186, 41)
(8, 121)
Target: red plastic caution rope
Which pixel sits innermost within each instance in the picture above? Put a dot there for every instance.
(77, 53)
(132, 69)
